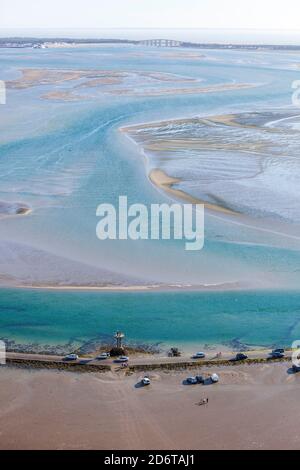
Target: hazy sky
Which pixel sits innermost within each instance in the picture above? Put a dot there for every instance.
(260, 14)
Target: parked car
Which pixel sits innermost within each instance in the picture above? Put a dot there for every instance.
(71, 357)
(200, 379)
(146, 381)
(192, 380)
(241, 357)
(103, 356)
(199, 355)
(122, 359)
(214, 378)
(278, 351)
(277, 355)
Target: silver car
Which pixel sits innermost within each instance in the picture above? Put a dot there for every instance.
(199, 355)
(71, 357)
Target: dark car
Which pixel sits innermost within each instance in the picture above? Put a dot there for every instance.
(277, 355)
(200, 379)
(241, 357)
(192, 380)
(278, 351)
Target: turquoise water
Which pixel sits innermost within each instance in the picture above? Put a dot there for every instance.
(178, 318)
(65, 158)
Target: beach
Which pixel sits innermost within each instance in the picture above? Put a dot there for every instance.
(253, 407)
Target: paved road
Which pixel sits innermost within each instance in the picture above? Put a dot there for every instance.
(140, 360)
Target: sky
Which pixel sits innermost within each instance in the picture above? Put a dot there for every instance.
(242, 14)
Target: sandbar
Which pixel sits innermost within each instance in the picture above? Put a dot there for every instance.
(160, 179)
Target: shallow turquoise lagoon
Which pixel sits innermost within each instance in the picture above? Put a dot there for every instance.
(182, 318)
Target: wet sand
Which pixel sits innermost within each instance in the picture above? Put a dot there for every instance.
(35, 77)
(235, 151)
(112, 82)
(63, 96)
(222, 87)
(24, 267)
(230, 286)
(160, 179)
(13, 209)
(253, 407)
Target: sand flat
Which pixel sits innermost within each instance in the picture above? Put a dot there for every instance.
(253, 407)
(222, 87)
(64, 96)
(227, 161)
(13, 209)
(160, 179)
(100, 79)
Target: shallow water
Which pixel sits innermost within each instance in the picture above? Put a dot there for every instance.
(185, 319)
(63, 158)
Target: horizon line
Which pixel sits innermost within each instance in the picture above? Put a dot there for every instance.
(148, 28)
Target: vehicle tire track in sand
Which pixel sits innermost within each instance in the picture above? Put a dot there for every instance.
(136, 422)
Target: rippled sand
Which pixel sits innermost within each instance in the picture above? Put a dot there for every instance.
(246, 163)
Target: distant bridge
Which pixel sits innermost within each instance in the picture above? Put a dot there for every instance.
(160, 43)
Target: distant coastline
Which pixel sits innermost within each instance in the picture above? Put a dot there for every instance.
(176, 287)
(44, 43)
